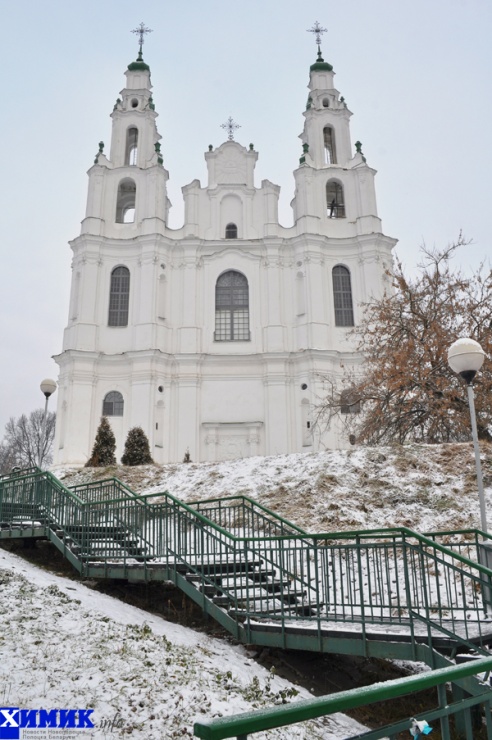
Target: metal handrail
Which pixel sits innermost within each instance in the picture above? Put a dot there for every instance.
(240, 725)
(341, 576)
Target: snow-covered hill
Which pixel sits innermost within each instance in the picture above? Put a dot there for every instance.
(65, 645)
(424, 487)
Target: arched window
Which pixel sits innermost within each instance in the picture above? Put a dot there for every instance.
(349, 402)
(342, 296)
(334, 199)
(113, 404)
(131, 146)
(231, 231)
(329, 142)
(125, 203)
(119, 295)
(231, 308)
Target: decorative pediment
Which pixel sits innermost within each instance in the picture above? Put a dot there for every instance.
(231, 164)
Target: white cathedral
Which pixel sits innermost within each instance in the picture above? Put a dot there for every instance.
(221, 337)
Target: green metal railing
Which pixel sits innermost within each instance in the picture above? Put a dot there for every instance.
(241, 515)
(242, 725)
(265, 579)
(262, 570)
(107, 489)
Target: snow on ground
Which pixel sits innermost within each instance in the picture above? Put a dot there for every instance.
(423, 487)
(63, 645)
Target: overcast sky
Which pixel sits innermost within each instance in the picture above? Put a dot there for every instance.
(415, 73)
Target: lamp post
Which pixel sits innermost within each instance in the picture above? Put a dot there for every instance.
(48, 387)
(465, 357)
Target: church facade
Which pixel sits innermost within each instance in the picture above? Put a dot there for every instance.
(220, 338)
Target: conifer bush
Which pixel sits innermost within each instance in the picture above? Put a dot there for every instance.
(137, 449)
(104, 446)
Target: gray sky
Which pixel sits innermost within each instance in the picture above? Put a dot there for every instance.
(415, 74)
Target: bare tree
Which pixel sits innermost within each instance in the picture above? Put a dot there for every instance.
(24, 444)
(406, 390)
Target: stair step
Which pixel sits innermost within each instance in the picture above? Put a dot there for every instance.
(217, 567)
(265, 593)
(228, 567)
(247, 580)
(277, 609)
(286, 598)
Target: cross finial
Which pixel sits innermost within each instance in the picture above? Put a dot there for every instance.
(319, 31)
(230, 126)
(141, 30)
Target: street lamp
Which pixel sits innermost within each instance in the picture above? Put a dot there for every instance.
(48, 387)
(465, 357)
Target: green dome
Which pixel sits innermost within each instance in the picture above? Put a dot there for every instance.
(320, 65)
(138, 67)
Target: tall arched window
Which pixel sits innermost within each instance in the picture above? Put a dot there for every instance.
(334, 199)
(231, 308)
(231, 231)
(125, 203)
(119, 296)
(113, 404)
(329, 142)
(131, 146)
(342, 296)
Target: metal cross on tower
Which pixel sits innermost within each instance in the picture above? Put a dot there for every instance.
(141, 30)
(230, 126)
(319, 31)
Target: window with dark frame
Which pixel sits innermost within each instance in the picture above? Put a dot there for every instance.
(119, 297)
(113, 404)
(231, 308)
(342, 296)
(231, 231)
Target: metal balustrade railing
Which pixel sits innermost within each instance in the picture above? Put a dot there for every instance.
(37, 497)
(242, 726)
(256, 572)
(241, 515)
(109, 488)
(261, 567)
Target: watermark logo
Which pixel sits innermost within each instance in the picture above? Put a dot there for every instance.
(13, 720)
(9, 723)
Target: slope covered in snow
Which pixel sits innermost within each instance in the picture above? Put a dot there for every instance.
(64, 645)
(424, 487)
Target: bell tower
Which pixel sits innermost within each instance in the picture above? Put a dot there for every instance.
(127, 192)
(335, 192)
(116, 282)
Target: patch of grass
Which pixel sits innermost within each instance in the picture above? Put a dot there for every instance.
(326, 482)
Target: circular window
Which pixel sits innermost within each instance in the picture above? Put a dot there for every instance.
(134, 103)
(304, 386)
(160, 388)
